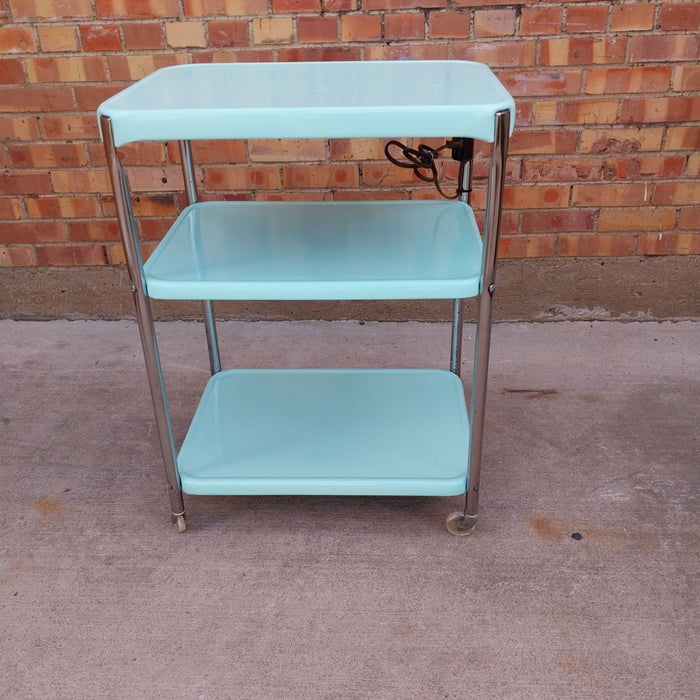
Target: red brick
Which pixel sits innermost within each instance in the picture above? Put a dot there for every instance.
(561, 169)
(43, 155)
(80, 180)
(360, 27)
(100, 230)
(357, 149)
(11, 209)
(586, 18)
(536, 197)
(430, 51)
(242, 178)
(636, 220)
(603, 195)
(682, 138)
(401, 4)
(286, 150)
(224, 8)
(136, 66)
(273, 30)
(228, 33)
(481, 3)
(536, 21)
(541, 142)
(100, 37)
(320, 53)
(130, 9)
(18, 128)
(689, 219)
(643, 167)
(404, 26)
(664, 47)
(449, 25)
(291, 6)
(216, 152)
(143, 36)
(681, 16)
(494, 23)
(317, 29)
(320, 176)
(62, 207)
(33, 232)
(24, 183)
(590, 111)
(66, 69)
(339, 5)
(89, 97)
(676, 193)
(60, 37)
(16, 40)
(384, 174)
(11, 71)
(537, 83)
(17, 256)
(71, 255)
(659, 109)
(71, 127)
(624, 140)
(43, 10)
(637, 79)
(693, 169)
(595, 245)
(668, 244)
(557, 221)
(154, 229)
(632, 18)
(686, 78)
(496, 54)
(526, 246)
(577, 51)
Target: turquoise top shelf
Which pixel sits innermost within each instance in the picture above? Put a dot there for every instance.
(310, 100)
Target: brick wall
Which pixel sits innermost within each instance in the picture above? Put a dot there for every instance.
(604, 157)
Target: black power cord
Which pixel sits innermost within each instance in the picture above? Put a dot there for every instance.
(423, 158)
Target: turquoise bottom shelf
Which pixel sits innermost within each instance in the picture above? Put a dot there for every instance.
(326, 431)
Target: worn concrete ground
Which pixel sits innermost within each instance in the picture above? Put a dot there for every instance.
(592, 428)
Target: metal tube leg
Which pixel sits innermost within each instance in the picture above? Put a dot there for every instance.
(456, 348)
(208, 308)
(464, 523)
(212, 339)
(145, 323)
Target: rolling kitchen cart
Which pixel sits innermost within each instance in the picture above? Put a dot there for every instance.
(320, 431)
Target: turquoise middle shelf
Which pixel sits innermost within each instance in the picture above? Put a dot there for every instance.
(328, 432)
(319, 250)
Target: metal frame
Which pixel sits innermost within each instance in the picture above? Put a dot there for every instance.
(465, 522)
(458, 523)
(144, 315)
(207, 306)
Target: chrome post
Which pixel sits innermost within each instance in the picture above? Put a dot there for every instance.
(482, 343)
(207, 306)
(456, 348)
(465, 187)
(144, 317)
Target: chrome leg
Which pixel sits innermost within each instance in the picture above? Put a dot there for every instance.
(208, 307)
(464, 523)
(456, 348)
(212, 339)
(145, 321)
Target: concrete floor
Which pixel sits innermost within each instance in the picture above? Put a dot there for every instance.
(592, 428)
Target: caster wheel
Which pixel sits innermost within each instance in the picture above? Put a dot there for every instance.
(180, 524)
(460, 524)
